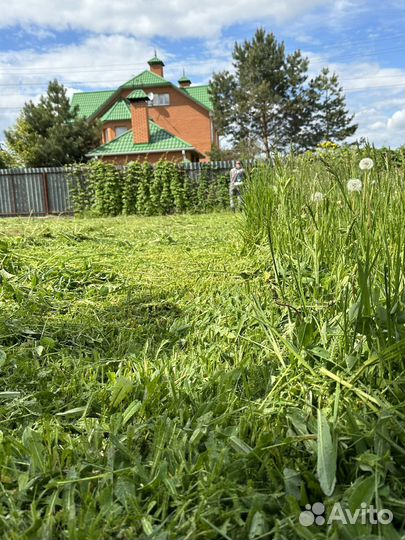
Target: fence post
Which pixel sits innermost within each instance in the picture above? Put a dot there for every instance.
(46, 196)
(12, 176)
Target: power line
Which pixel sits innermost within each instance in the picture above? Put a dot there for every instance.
(354, 89)
(100, 67)
(348, 43)
(344, 79)
(358, 55)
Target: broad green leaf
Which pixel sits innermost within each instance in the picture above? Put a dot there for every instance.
(130, 411)
(120, 391)
(258, 526)
(292, 482)
(361, 491)
(39, 350)
(147, 526)
(36, 451)
(239, 445)
(326, 449)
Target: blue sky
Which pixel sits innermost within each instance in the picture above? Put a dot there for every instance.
(100, 44)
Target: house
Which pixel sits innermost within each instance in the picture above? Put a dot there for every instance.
(149, 118)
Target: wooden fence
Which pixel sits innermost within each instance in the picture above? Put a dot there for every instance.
(43, 191)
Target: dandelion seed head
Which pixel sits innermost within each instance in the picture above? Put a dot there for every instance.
(366, 164)
(354, 184)
(317, 197)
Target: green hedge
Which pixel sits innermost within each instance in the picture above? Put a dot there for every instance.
(102, 189)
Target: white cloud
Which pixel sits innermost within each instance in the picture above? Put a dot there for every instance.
(173, 19)
(107, 60)
(103, 61)
(397, 121)
(373, 94)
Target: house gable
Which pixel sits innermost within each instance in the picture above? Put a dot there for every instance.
(145, 80)
(184, 112)
(119, 111)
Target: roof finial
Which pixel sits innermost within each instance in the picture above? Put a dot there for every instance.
(155, 52)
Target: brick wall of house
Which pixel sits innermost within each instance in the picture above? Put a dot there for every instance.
(151, 158)
(183, 118)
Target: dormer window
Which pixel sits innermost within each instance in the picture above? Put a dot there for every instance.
(159, 100)
(120, 130)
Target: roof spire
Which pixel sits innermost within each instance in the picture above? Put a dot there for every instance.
(155, 61)
(184, 81)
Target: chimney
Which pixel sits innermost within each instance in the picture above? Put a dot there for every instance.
(139, 116)
(184, 82)
(156, 65)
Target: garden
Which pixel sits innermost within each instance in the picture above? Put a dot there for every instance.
(173, 370)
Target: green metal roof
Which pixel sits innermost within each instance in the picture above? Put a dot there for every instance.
(200, 94)
(160, 141)
(137, 95)
(119, 111)
(155, 61)
(90, 102)
(144, 79)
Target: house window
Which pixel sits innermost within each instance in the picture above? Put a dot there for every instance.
(120, 130)
(159, 100)
(106, 135)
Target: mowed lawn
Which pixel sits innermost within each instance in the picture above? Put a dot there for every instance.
(130, 360)
(152, 388)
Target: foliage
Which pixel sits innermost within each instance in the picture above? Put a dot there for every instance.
(221, 154)
(336, 269)
(131, 179)
(51, 133)
(167, 188)
(270, 101)
(144, 204)
(202, 191)
(160, 192)
(385, 159)
(8, 159)
(81, 192)
(178, 189)
(106, 184)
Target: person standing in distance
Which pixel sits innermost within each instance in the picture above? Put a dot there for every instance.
(237, 177)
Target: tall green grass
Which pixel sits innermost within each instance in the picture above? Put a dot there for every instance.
(336, 272)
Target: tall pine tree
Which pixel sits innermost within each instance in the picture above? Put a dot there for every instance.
(51, 133)
(269, 101)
